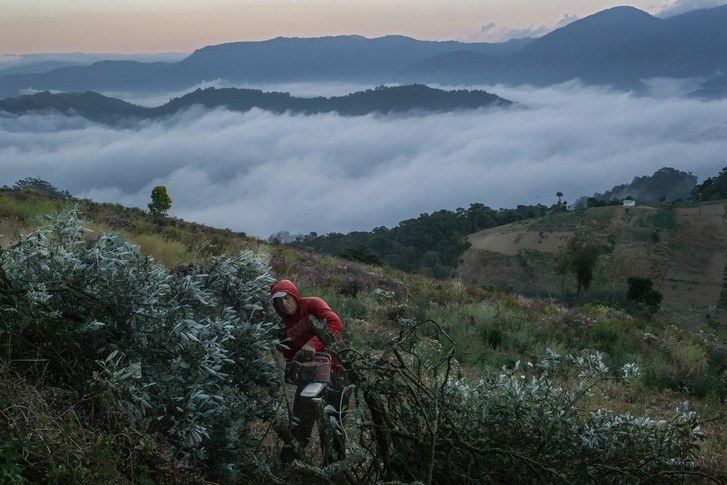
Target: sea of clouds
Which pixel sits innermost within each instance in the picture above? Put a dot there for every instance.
(261, 173)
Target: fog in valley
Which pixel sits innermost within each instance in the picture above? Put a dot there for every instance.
(260, 173)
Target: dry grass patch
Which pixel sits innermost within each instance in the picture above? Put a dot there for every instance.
(165, 251)
(11, 229)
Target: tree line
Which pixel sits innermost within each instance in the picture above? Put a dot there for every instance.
(431, 243)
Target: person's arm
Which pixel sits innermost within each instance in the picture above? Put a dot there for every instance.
(322, 311)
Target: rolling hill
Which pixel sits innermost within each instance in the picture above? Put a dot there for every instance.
(683, 250)
(397, 99)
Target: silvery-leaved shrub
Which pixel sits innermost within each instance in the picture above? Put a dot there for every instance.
(184, 356)
(423, 421)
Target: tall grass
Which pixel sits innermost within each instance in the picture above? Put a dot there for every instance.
(22, 213)
(164, 250)
(28, 207)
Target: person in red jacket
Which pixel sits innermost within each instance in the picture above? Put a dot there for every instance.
(301, 341)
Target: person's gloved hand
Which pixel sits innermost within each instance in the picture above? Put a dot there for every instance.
(307, 352)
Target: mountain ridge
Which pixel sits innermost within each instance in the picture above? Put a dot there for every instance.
(619, 46)
(334, 58)
(687, 45)
(384, 100)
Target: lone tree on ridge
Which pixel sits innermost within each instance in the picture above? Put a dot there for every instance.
(160, 201)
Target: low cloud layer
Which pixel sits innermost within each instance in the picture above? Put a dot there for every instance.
(260, 173)
(682, 6)
(492, 32)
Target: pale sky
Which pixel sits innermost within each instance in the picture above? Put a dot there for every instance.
(137, 26)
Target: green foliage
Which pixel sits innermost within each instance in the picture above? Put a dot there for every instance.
(594, 202)
(641, 291)
(362, 254)
(34, 184)
(10, 460)
(382, 99)
(160, 201)
(430, 244)
(714, 188)
(583, 257)
(664, 185)
(663, 219)
(28, 206)
(429, 424)
(476, 329)
(174, 355)
(685, 362)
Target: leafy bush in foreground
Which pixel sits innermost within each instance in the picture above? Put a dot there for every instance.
(418, 420)
(178, 357)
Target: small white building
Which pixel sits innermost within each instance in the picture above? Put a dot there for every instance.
(629, 202)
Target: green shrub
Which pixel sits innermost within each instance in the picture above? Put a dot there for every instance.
(180, 356)
(473, 327)
(352, 308)
(664, 219)
(660, 373)
(689, 359)
(423, 422)
(10, 461)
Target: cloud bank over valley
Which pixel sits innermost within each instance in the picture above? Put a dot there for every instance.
(260, 173)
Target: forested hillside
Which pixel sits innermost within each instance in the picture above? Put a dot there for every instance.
(383, 100)
(523, 257)
(714, 188)
(431, 244)
(666, 185)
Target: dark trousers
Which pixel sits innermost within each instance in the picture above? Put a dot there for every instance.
(304, 414)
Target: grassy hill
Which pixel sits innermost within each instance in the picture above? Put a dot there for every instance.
(683, 250)
(405, 326)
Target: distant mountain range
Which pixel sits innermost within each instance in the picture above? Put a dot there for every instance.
(620, 46)
(45, 62)
(385, 100)
(341, 58)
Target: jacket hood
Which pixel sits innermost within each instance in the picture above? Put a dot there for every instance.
(287, 286)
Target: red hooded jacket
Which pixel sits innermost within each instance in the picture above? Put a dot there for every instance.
(299, 328)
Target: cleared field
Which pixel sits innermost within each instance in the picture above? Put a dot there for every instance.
(682, 250)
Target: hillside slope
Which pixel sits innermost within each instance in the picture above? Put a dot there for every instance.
(682, 250)
(697, 270)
